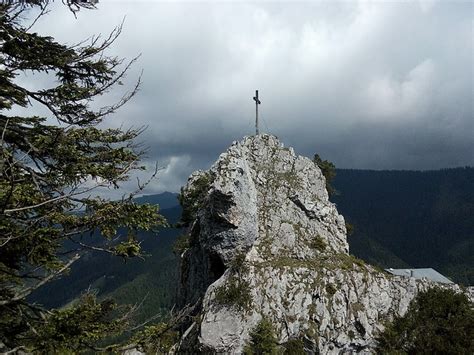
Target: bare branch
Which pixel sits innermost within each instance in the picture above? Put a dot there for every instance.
(4, 130)
(141, 187)
(24, 293)
(42, 12)
(90, 247)
(14, 351)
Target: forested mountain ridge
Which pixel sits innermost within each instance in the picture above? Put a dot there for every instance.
(411, 218)
(400, 218)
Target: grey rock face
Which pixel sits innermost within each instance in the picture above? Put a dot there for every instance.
(267, 242)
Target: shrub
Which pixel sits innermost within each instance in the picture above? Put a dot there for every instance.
(329, 171)
(319, 244)
(438, 321)
(262, 339)
(330, 289)
(191, 200)
(238, 263)
(349, 229)
(294, 347)
(234, 293)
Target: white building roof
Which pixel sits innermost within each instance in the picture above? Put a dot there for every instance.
(428, 273)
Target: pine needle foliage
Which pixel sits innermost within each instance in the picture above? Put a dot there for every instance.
(49, 173)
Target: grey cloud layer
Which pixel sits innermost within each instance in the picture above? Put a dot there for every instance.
(365, 84)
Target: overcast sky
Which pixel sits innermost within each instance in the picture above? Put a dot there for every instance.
(371, 85)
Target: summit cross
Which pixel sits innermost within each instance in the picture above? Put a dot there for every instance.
(257, 102)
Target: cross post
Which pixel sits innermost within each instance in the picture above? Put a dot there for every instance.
(257, 102)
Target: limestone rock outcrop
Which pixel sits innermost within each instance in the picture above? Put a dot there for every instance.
(267, 242)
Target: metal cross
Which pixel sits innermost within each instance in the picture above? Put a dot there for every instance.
(257, 102)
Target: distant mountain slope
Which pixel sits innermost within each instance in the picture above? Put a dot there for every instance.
(421, 219)
(154, 277)
(401, 219)
(165, 200)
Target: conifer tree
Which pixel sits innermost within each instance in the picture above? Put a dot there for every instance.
(263, 340)
(50, 169)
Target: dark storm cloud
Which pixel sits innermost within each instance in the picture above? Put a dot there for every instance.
(382, 85)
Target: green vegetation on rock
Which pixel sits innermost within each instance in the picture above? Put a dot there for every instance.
(319, 244)
(331, 289)
(191, 200)
(181, 244)
(294, 347)
(329, 171)
(262, 339)
(349, 229)
(234, 293)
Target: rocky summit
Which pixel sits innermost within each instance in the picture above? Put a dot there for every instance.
(266, 242)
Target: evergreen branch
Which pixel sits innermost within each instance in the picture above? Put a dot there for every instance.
(46, 172)
(71, 194)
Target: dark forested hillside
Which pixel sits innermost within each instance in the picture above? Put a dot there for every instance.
(411, 218)
(401, 219)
